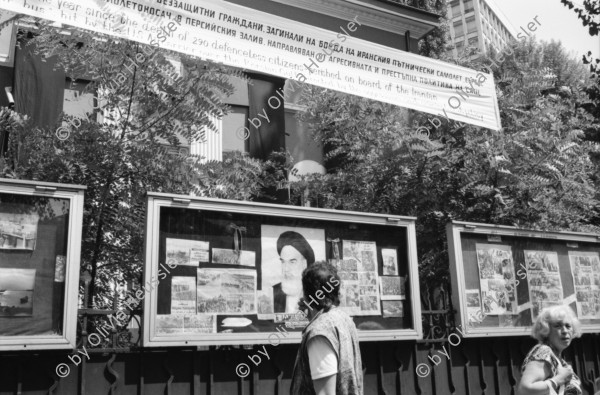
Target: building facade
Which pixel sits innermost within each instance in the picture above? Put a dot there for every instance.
(479, 24)
(396, 24)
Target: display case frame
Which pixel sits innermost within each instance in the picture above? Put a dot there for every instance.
(158, 201)
(74, 194)
(563, 241)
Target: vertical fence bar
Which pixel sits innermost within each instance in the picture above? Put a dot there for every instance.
(196, 366)
(380, 373)
(141, 380)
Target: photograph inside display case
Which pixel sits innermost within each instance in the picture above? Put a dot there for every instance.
(33, 234)
(221, 272)
(18, 231)
(34, 245)
(503, 277)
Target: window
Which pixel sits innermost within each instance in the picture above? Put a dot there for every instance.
(458, 29)
(455, 8)
(474, 41)
(233, 121)
(468, 6)
(471, 24)
(230, 137)
(77, 102)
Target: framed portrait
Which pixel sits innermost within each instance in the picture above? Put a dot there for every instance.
(286, 252)
(247, 281)
(40, 245)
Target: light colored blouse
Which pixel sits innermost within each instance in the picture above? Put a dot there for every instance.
(322, 358)
(338, 328)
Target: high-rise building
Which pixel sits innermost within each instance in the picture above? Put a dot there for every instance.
(480, 24)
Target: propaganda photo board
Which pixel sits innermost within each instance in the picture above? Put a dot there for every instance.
(502, 277)
(40, 244)
(229, 272)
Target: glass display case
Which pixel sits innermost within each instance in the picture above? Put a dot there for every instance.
(229, 272)
(40, 244)
(502, 277)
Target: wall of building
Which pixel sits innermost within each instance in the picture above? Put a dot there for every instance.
(329, 22)
(479, 24)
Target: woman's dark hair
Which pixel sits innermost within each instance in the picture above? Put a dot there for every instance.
(297, 241)
(321, 277)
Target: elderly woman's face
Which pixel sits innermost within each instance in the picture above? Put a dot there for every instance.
(561, 334)
(293, 264)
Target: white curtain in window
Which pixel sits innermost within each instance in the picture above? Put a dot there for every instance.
(212, 147)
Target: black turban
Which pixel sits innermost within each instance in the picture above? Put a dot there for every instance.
(297, 241)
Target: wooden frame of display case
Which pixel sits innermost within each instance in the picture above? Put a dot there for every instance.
(198, 212)
(69, 244)
(463, 239)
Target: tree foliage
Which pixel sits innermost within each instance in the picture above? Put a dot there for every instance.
(437, 43)
(586, 12)
(535, 173)
(146, 110)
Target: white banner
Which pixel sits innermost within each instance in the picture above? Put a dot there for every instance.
(254, 40)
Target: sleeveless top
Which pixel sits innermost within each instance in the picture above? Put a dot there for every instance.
(543, 353)
(337, 327)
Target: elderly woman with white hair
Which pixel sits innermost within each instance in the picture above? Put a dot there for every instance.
(544, 371)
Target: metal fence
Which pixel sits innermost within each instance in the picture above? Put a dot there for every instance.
(442, 363)
(475, 366)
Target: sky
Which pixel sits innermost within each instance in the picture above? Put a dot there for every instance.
(557, 22)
